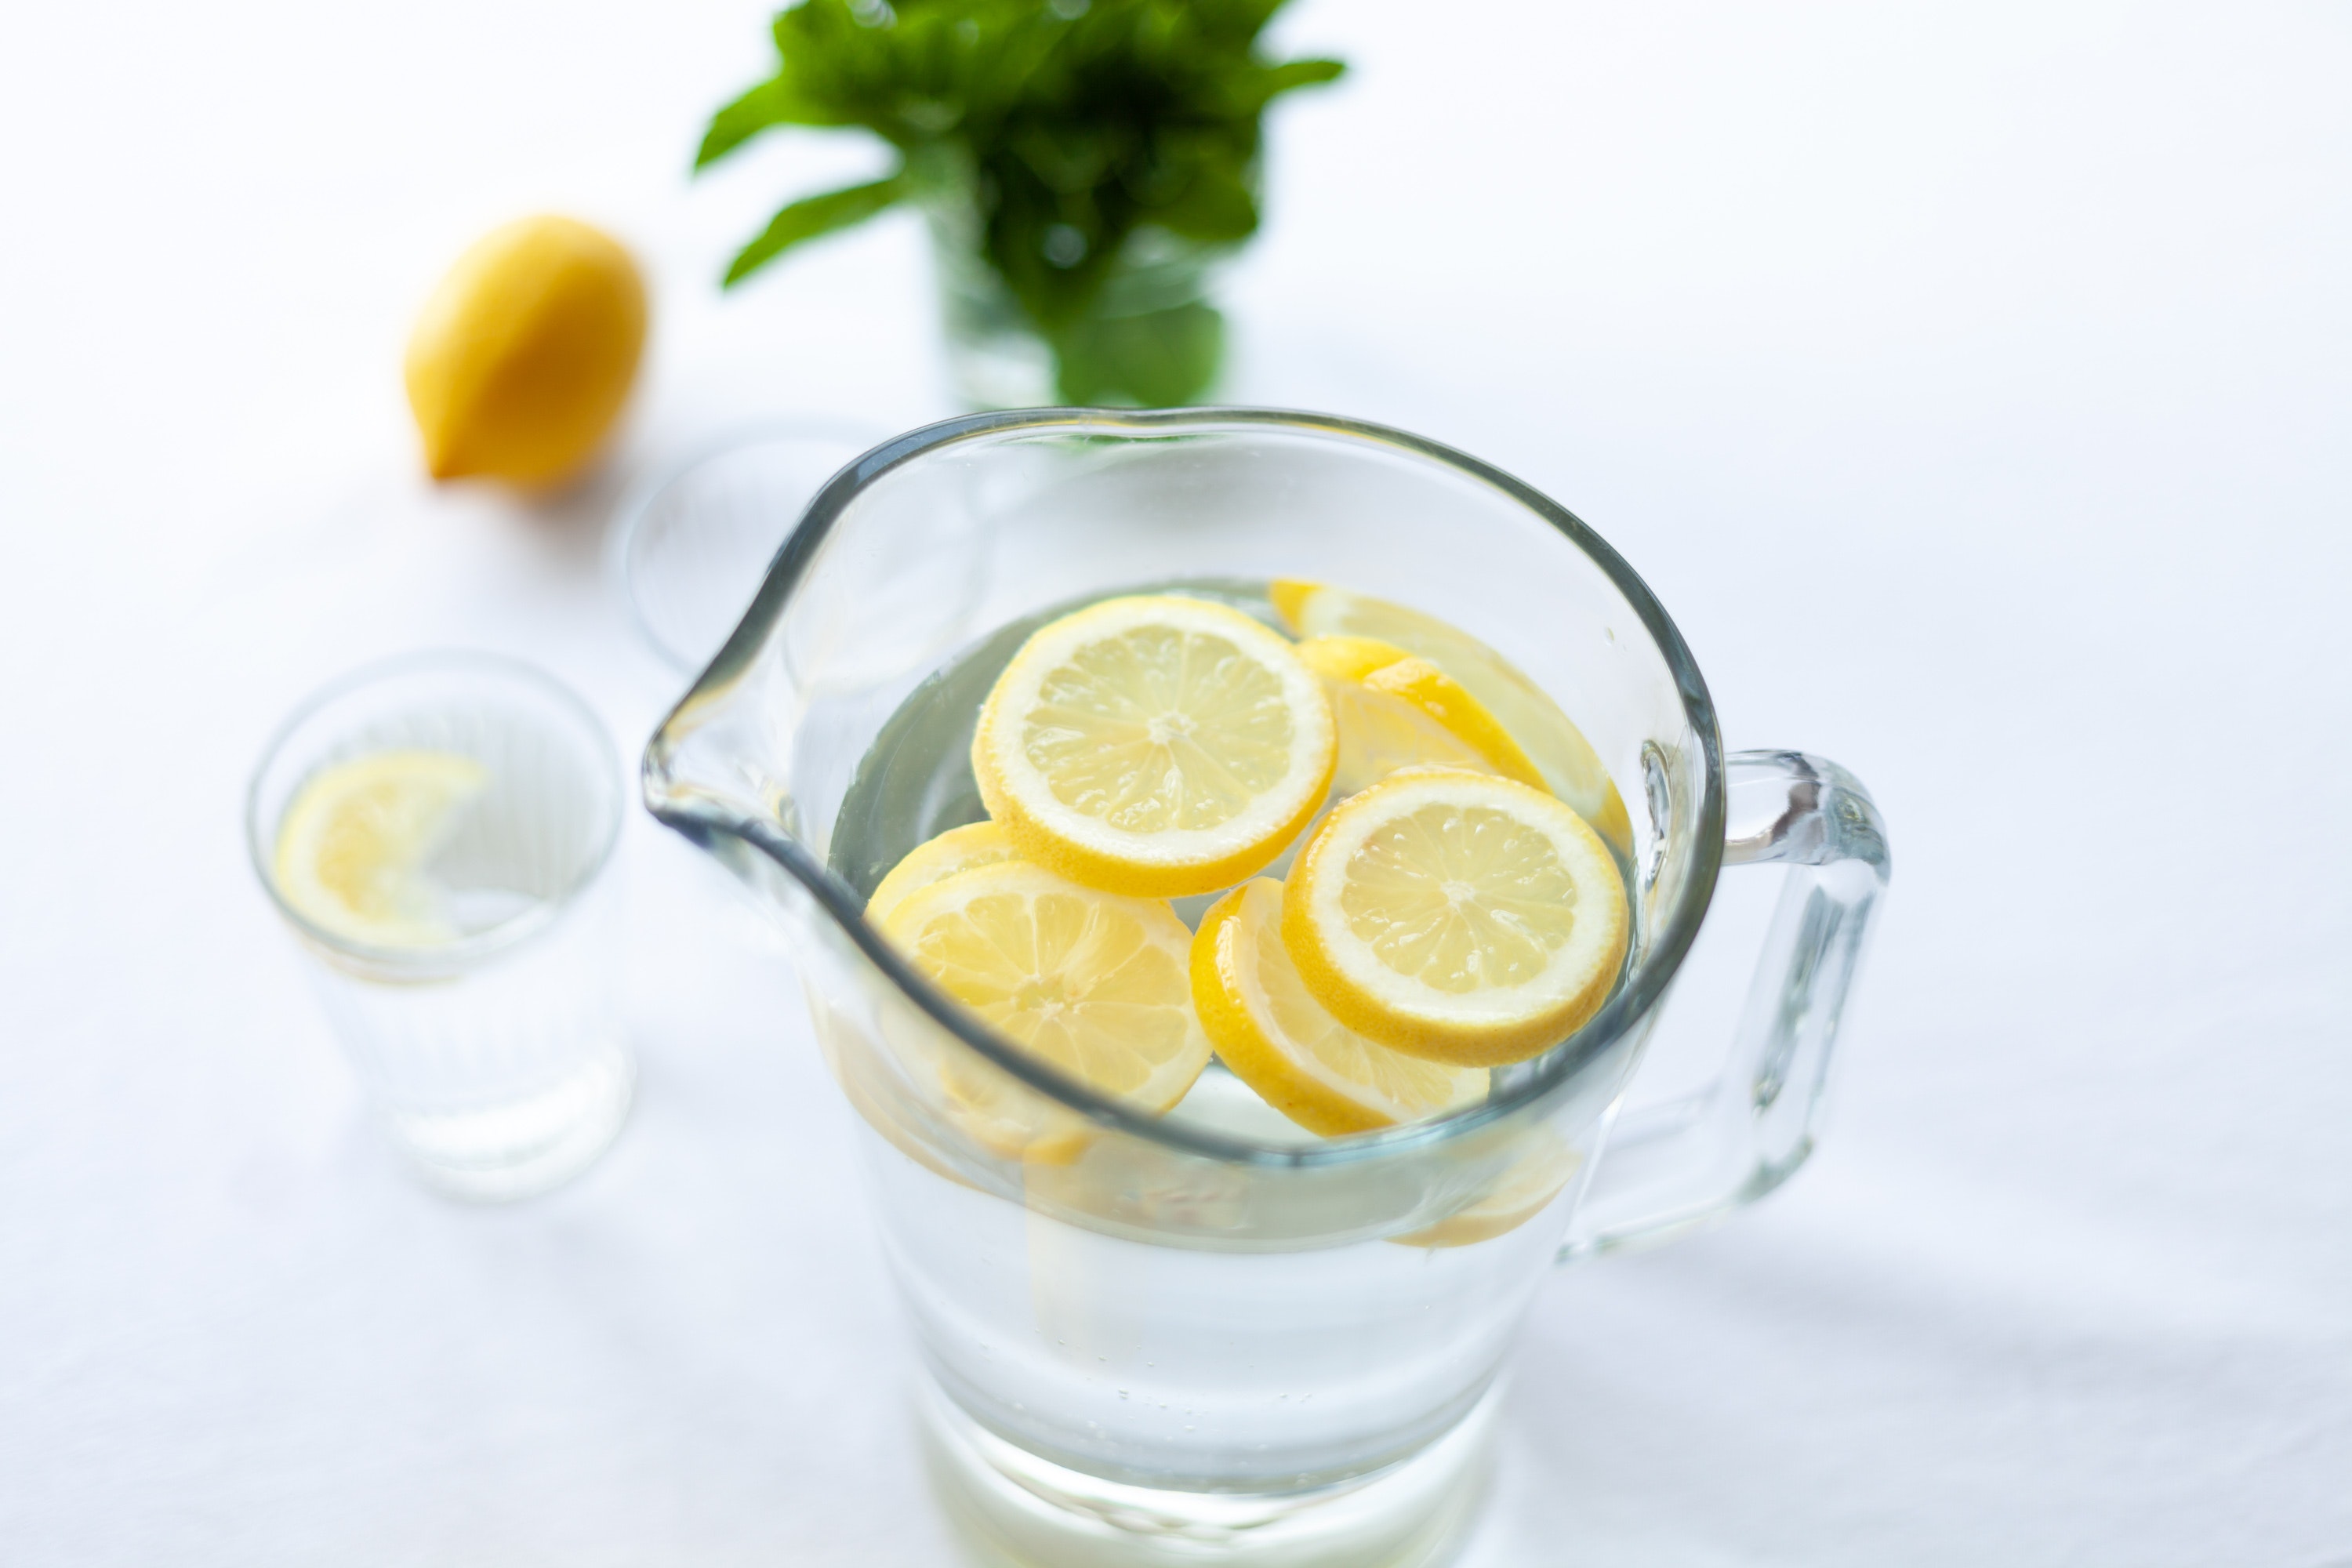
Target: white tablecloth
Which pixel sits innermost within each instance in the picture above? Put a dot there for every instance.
(1970, 381)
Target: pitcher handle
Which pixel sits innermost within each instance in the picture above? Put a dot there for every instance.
(1668, 1168)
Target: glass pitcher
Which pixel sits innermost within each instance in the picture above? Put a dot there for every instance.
(1211, 1336)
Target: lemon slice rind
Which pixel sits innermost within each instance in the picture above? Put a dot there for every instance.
(964, 848)
(1469, 873)
(1569, 765)
(1155, 746)
(1396, 709)
(1280, 1042)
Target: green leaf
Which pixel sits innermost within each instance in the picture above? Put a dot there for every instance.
(772, 102)
(812, 216)
(1276, 80)
(1064, 123)
(1217, 207)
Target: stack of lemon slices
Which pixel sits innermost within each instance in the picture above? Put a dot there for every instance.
(1453, 904)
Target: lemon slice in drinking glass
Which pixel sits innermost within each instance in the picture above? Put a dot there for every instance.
(1095, 984)
(1154, 745)
(1456, 916)
(1570, 767)
(355, 845)
(1281, 1042)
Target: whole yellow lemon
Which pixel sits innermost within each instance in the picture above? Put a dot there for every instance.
(524, 354)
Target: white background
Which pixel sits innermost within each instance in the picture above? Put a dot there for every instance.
(1974, 384)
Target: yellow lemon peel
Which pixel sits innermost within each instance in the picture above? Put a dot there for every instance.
(523, 357)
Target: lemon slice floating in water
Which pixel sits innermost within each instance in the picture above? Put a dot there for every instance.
(1549, 738)
(1456, 916)
(355, 845)
(1396, 709)
(1154, 745)
(934, 860)
(1525, 1189)
(1281, 1042)
(1093, 983)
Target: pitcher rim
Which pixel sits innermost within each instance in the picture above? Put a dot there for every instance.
(694, 816)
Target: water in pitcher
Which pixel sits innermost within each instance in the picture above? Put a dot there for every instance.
(1158, 1364)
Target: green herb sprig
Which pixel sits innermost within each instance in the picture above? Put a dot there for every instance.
(1070, 122)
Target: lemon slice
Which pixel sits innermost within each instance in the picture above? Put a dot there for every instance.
(1279, 1040)
(1550, 739)
(1154, 746)
(1093, 983)
(1524, 1190)
(1456, 916)
(354, 845)
(1396, 709)
(937, 859)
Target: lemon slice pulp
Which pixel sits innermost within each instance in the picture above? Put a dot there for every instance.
(934, 860)
(1570, 766)
(1095, 985)
(1281, 1042)
(1154, 745)
(355, 845)
(1396, 709)
(1456, 916)
(1525, 1189)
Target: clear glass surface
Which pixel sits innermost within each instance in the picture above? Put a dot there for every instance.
(1211, 1319)
(688, 548)
(495, 1059)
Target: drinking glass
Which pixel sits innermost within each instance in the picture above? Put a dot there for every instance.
(493, 1054)
(689, 546)
(1211, 1336)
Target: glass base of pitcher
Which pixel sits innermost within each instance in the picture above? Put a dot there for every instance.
(1009, 1509)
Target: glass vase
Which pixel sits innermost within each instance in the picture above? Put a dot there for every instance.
(1150, 339)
